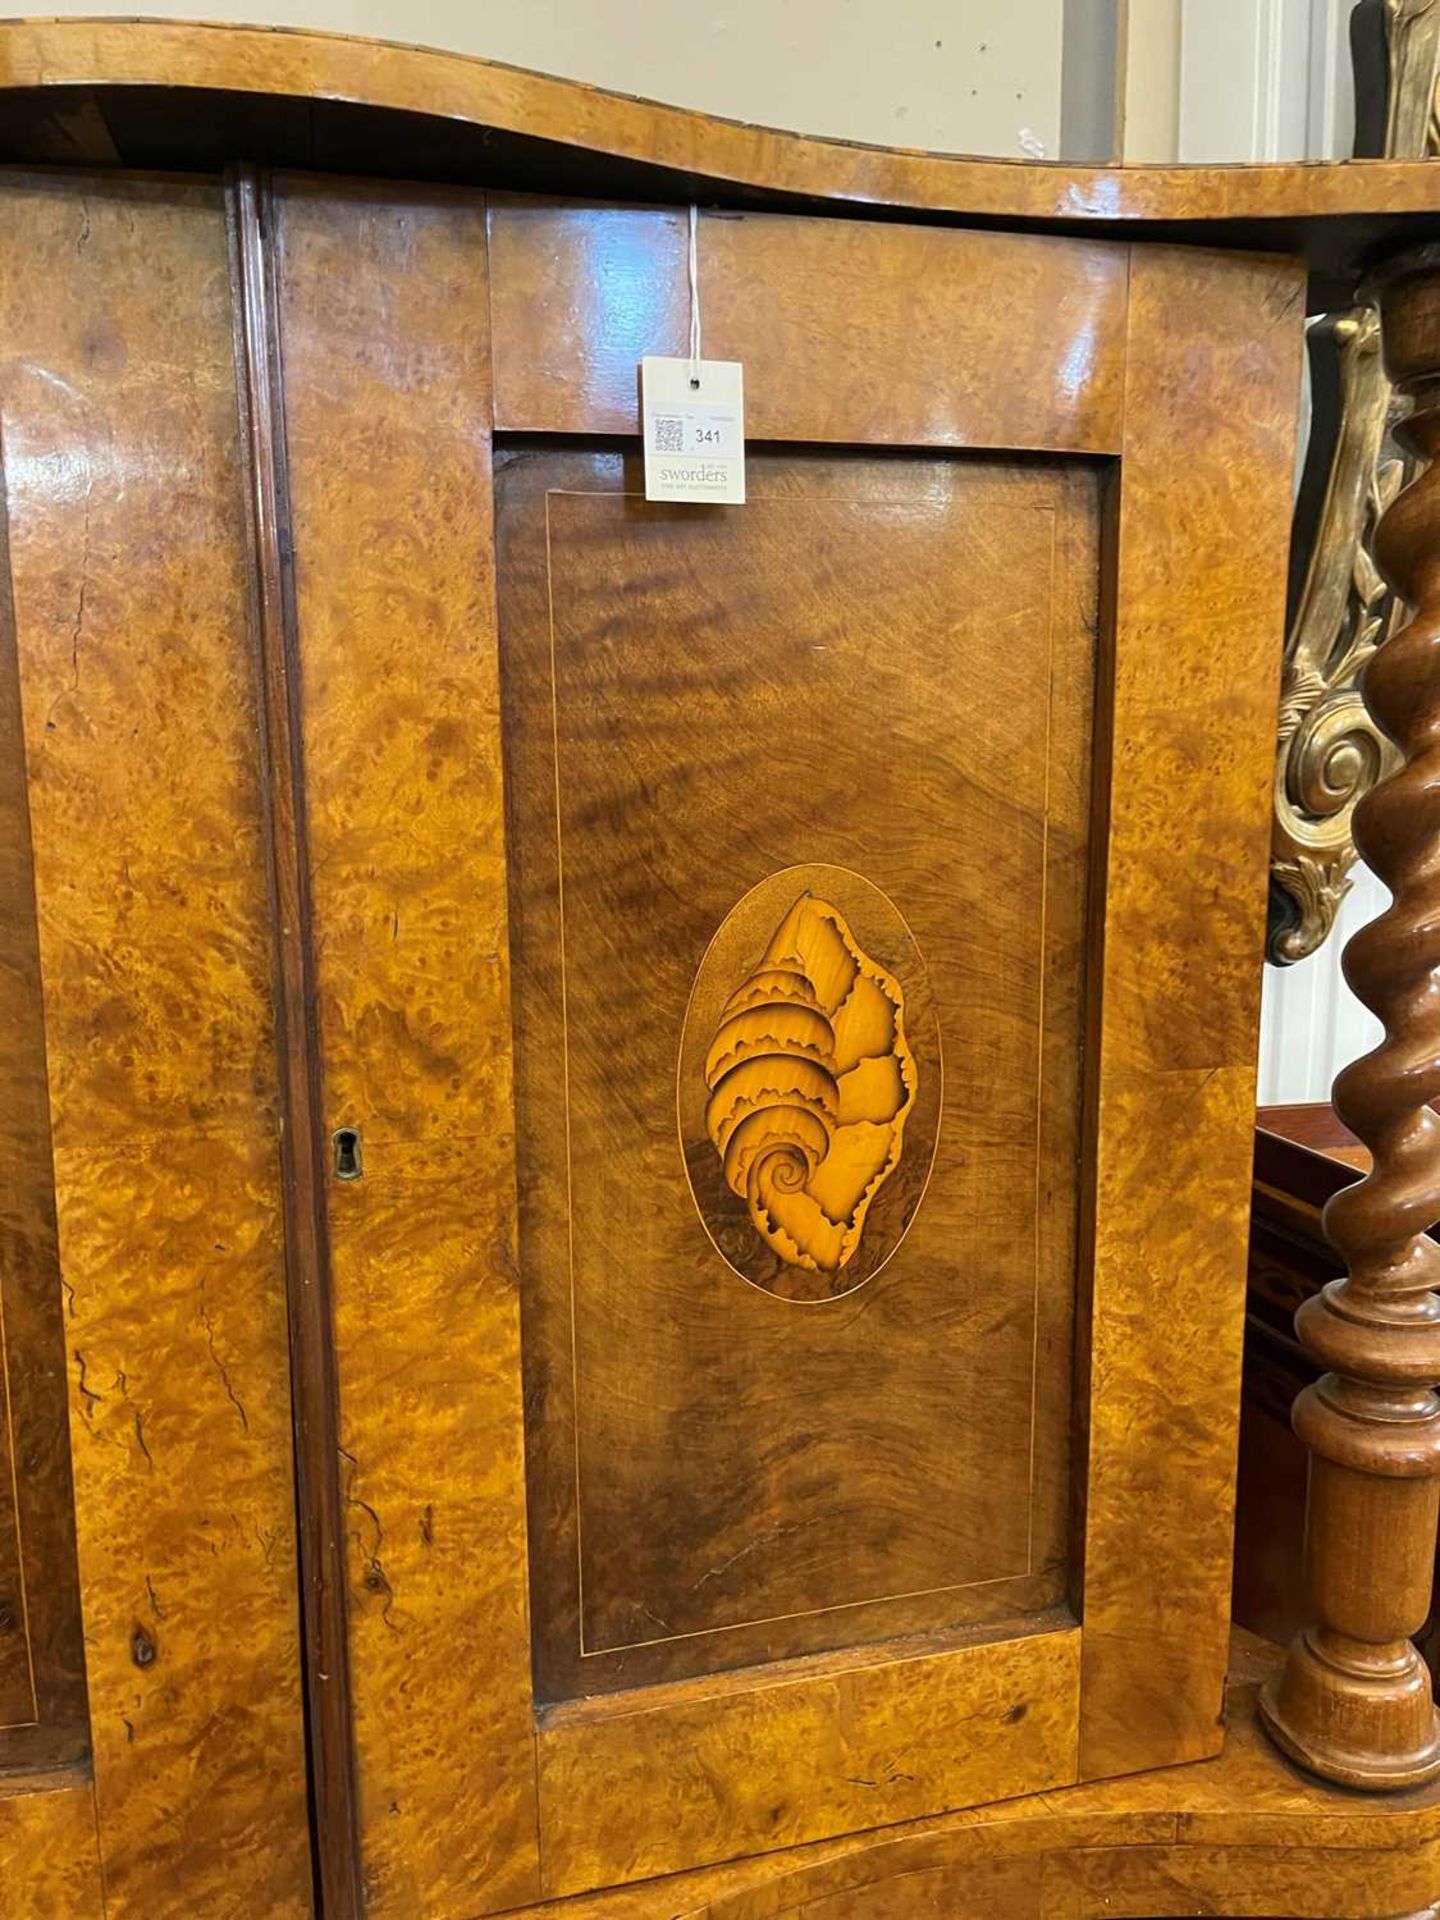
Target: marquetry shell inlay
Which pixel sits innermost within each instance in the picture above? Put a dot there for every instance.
(807, 1085)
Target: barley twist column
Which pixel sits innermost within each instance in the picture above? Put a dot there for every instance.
(1354, 1702)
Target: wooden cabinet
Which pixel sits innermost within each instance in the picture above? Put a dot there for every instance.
(651, 1104)
(809, 1544)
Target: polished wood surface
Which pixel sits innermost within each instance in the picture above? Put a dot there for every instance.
(764, 1099)
(49, 1852)
(42, 1680)
(163, 92)
(1197, 615)
(1356, 1700)
(879, 335)
(773, 1459)
(1224, 1836)
(381, 305)
(304, 1152)
(733, 1768)
(128, 556)
(1241, 1834)
(761, 1448)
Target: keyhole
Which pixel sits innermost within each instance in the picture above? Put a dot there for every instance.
(346, 1142)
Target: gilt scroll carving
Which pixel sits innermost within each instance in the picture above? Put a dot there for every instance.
(809, 1083)
(1330, 751)
(1330, 755)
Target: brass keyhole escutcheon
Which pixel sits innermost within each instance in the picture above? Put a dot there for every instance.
(346, 1144)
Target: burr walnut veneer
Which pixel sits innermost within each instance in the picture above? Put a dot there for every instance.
(631, 1124)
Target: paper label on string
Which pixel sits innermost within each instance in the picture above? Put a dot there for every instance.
(694, 433)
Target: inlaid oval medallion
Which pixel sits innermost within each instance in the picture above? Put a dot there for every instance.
(810, 1078)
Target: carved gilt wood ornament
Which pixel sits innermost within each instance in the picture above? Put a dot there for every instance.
(1330, 751)
(1330, 754)
(809, 1119)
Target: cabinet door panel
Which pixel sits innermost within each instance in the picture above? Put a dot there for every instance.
(663, 1779)
(756, 1442)
(850, 723)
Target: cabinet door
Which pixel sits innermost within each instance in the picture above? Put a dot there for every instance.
(799, 827)
(786, 981)
(140, 1181)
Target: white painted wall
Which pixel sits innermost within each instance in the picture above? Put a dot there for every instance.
(1149, 79)
(964, 76)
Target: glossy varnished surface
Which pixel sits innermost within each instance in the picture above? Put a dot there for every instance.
(1242, 1834)
(1212, 371)
(889, 336)
(620, 144)
(163, 1081)
(382, 304)
(708, 716)
(751, 1464)
(42, 1683)
(49, 1860)
(304, 1149)
(128, 556)
(731, 1768)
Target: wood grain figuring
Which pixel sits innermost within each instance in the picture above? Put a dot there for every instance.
(304, 1151)
(49, 1859)
(19, 1709)
(1241, 1834)
(729, 1465)
(382, 304)
(864, 1746)
(1356, 1700)
(1213, 362)
(42, 1681)
(611, 137)
(128, 554)
(867, 334)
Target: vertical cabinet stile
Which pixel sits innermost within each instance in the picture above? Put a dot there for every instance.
(1204, 506)
(307, 1253)
(382, 325)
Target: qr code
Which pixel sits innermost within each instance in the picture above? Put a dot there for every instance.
(669, 434)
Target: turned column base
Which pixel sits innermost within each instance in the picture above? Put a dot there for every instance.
(1369, 1722)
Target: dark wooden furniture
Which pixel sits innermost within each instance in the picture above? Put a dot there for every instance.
(650, 1107)
(1304, 1156)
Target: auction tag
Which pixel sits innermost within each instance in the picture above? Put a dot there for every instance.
(694, 420)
